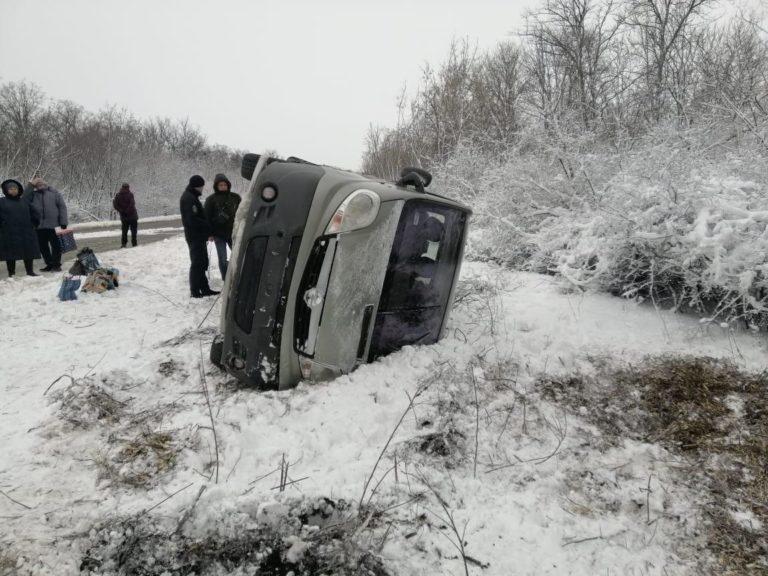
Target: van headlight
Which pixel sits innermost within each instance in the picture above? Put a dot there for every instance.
(357, 211)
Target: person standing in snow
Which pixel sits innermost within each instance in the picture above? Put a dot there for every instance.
(18, 219)
(50, 204)
(125, 204)
(196, 232)
(220, 210)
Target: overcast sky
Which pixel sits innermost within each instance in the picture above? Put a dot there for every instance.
(303, 77)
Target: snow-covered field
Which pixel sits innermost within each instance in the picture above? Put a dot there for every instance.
(530, 484)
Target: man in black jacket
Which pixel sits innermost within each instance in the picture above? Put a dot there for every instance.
(196, 231)
(220, 209)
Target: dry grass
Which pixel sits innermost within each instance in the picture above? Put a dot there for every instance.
(446, 444)
(140, 461)
(8, 563)
(86, 402)
(712, 414)
(133, 452)
(297, 537)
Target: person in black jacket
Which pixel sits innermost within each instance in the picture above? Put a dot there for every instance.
(125, 204)
(18, 220)
(220, 209)
(197, 232)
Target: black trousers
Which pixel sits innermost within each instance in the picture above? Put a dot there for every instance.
(49, 247)
(198, 266)
(134, 226)
(11, 265)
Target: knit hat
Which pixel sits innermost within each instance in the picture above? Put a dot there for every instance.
(196, 181)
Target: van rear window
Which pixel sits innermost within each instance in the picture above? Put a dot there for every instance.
(419, 276)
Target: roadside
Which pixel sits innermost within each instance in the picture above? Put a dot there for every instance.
(105, 236)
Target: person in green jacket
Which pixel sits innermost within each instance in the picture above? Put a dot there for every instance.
(220, 210)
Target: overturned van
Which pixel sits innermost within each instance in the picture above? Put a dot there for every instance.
(331, 269)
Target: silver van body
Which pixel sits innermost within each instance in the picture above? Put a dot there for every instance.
(331, 269)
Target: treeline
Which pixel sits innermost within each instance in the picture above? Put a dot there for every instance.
(619, 144)
(87, 155)
(612, 69)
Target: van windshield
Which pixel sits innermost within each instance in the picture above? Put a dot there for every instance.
(419, 276)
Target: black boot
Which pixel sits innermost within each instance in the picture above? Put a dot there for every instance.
(28, 267)
(209, 292)
(11, 265)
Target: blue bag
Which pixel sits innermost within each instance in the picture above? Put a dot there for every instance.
(66, 240)
(68, 290)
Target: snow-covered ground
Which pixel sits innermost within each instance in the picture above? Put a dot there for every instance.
(532, 485)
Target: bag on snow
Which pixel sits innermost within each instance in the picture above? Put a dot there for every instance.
(85, 263)
(68, 290)
(101, 280)
(66, 240)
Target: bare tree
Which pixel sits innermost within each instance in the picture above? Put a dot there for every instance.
(87, 155)
(663, 40)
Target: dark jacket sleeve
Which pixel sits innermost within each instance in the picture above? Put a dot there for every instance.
(209, 208)
(115, 203)
(34, 214)
(62, 206)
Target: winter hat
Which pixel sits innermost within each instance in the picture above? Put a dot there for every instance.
(196, 181)
(124, 186)
(221, 178)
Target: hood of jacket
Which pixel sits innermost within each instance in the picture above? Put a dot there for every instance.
(221, 178)
(4, 187)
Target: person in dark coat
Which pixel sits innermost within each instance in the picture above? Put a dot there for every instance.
(53, 212)
(220, 209)
(125, 204)
(197, 231)
(18, 219)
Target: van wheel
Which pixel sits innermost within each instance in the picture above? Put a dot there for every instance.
(217, 349)
(249, 165)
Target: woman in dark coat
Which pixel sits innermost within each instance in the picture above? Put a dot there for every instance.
(18, 220)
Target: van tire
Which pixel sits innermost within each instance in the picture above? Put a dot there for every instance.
(248, 165)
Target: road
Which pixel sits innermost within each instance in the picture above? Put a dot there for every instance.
(102, 238)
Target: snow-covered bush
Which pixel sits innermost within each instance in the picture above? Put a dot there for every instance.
(680, 217)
